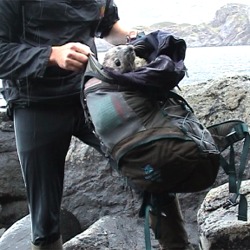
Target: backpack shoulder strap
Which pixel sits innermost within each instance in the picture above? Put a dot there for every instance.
(225, 135)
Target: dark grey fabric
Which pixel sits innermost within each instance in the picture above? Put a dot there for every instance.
(43, 134)
(25, 43)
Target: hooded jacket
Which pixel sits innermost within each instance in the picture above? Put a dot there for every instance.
(28, 30)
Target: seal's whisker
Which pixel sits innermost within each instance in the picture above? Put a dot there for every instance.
(139, 47)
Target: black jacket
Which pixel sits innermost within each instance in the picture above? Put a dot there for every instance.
(28, 29)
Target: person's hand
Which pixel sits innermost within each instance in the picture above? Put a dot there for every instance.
(70, 56)
(132, 35)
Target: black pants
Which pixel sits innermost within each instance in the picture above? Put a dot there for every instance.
(43, 135)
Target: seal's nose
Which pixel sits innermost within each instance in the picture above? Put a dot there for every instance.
(130, 48)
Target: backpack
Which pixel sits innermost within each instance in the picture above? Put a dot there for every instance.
(158, 146)
(153, 135)
(155, 139)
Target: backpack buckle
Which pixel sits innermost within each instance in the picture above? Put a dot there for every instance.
(229, 203)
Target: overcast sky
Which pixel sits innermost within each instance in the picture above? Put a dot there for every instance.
(146, 12)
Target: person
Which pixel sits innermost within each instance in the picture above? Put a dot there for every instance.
(44, 49)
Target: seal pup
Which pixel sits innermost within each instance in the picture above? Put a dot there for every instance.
(122, 58)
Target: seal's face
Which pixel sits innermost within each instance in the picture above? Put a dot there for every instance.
(120, 58)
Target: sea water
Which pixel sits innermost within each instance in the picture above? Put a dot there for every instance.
(205, 63)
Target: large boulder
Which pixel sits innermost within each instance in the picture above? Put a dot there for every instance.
(221, 99)
(112, 232)
(18, 235)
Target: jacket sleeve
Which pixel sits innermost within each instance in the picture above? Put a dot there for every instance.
(107, 22)
(18, 60)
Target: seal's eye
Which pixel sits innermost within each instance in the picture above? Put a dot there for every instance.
(117, 62)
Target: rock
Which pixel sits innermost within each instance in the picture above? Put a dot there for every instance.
(230, 26)
(12, 191)
(219, 228)
(113, 233)
(109, 232)
(70, 226)
(220, 99)
(18, 235)
(12, 211)
(2, 230)
(228, 19)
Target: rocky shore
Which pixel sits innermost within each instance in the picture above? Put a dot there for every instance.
(229, 27)
(97, 203)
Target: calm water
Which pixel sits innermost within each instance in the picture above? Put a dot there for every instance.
(212, 62)
(206, 63)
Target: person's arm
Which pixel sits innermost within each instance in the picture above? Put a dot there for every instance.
(120, 34)
(111, 29)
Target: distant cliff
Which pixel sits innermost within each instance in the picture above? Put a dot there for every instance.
(230, 26)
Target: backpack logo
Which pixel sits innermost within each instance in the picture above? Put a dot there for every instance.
(151, 174)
